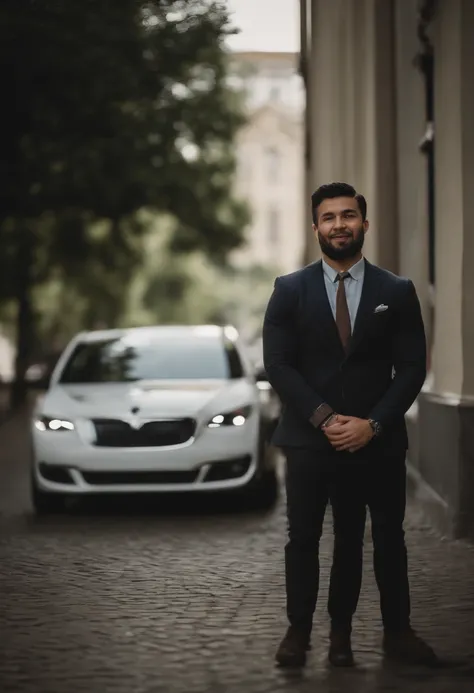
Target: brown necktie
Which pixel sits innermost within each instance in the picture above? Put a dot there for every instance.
(343, 320)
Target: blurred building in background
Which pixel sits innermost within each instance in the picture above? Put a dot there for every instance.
(390, 108)
(269, 155)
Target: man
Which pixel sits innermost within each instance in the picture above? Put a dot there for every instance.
(344, 348)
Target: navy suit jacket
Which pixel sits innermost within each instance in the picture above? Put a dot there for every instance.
(379, 377)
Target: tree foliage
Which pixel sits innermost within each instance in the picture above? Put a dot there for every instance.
(110, 108)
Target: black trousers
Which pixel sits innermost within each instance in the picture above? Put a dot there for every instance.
(351, 484)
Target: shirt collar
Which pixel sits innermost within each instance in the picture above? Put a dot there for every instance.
(356, 271)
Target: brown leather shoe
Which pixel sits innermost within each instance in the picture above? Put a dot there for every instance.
(340, 650)
(407, 647)
(292, 649)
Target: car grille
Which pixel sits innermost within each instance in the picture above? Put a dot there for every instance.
(117, 478)
(114, 433)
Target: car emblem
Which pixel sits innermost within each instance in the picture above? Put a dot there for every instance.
(135, 423)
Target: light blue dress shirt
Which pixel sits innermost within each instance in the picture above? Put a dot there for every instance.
(352, 284)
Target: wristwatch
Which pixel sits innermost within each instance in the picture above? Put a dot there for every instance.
(327, 421)
(376, 427)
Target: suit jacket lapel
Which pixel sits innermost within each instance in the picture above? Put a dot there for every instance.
(323, 309)
(368, 301)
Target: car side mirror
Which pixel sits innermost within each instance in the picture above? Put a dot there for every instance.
(38, 377)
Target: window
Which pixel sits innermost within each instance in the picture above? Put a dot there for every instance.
(275, 93)
(273, 233)
(244, 165)
(272, 164)
(236, 369)
(124, 359)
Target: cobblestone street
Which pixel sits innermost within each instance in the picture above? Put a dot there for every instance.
(190, 597)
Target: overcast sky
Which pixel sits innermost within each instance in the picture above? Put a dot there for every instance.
(266, 25)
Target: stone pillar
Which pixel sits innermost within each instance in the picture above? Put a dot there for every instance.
(412, 179)
(309, 247)
(446, 409)
(351, 88)
(411, 169)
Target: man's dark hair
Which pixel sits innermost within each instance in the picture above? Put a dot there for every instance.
(331, 190)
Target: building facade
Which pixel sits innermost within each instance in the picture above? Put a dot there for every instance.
(269, 154)
(390, 109)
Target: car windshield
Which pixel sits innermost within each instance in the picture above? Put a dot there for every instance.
(125, 359)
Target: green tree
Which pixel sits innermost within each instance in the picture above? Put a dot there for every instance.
(110, 108)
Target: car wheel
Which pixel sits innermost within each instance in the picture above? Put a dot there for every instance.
(45, 503)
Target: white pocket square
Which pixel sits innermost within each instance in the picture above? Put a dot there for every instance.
(381, 308)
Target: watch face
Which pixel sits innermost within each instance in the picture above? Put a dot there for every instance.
(375, 427)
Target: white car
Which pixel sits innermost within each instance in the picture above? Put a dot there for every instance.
(151, 409)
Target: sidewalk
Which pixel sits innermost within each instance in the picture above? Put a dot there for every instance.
(193, 602)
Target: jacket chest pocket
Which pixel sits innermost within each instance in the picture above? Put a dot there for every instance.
(380, 325)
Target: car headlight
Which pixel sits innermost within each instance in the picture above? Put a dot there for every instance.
(237, 417)
(49, 423)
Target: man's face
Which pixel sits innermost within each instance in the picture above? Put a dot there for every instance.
(340, 229)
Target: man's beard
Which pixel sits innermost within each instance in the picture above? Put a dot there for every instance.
(347, 251)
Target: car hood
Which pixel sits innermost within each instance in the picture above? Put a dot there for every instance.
(161, 398)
